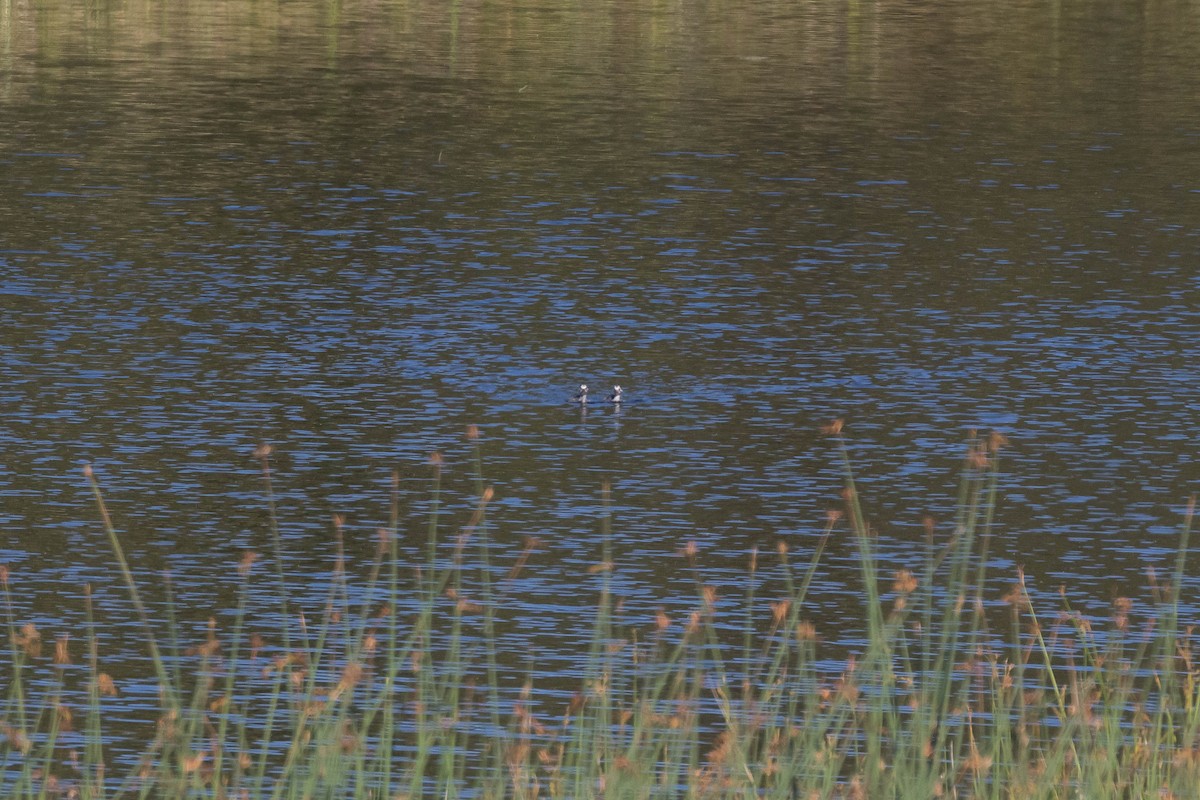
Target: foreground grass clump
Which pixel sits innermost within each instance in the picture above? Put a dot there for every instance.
(393, 688)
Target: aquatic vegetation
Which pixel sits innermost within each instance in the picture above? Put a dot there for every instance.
(955, 693)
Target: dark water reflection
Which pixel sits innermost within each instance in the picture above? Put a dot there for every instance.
(353, 233)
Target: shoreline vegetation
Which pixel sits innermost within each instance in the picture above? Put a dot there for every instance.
(955, 692)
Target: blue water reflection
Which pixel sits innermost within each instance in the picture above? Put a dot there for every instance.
(354, 263)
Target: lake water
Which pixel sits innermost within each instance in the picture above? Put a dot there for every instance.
(351, 230)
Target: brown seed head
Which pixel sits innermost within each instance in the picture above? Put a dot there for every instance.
(472, 432)
(661, 620)
(351, 675)
(833, 428)
(435, 458)
(248, 559)
(62, 654)
(263, 451)
(1016, 597)
(1121, 608)
(976, 762)
(16, 737)
(466, 606)
(905, 582)
(29, 639)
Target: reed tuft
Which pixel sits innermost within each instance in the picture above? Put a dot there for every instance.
(962, 685)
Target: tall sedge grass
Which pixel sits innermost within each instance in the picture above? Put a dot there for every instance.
(959, 691)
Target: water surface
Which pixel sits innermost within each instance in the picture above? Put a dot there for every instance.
(352, 230)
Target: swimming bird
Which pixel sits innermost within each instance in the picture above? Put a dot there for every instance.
(615, 397)
(581, 395)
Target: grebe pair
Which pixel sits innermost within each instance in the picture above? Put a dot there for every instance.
(582, 395)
